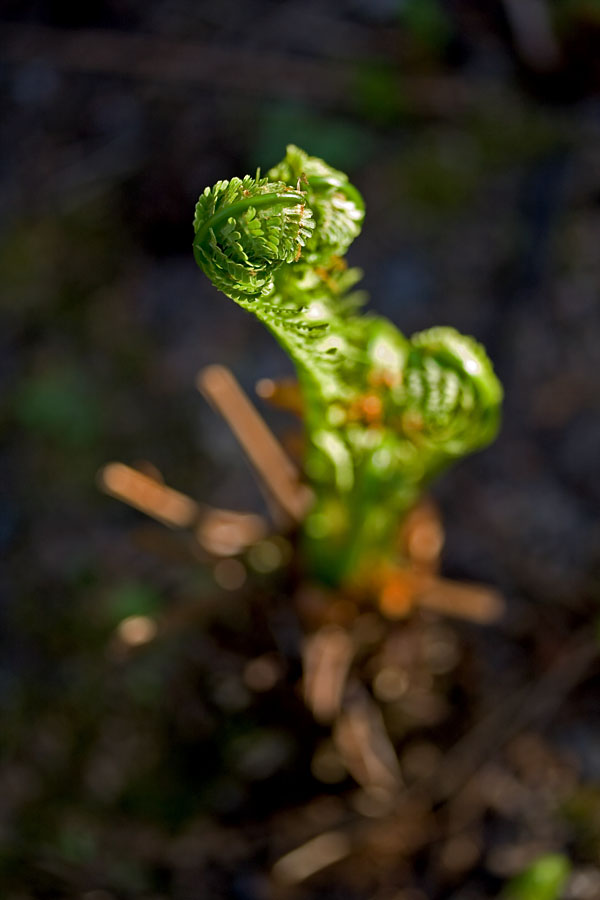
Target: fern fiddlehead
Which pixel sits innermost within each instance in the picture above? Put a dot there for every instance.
(383, 414)
(247, 228)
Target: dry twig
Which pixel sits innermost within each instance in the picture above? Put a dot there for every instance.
(277, 472)
(326, 658)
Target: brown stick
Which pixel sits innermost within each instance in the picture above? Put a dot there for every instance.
(271, 462)
(221, 532)
(282, 393)
(326, 657)
(362, 740)
(475, 602)
(148, 495)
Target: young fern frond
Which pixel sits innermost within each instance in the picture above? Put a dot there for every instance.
(245, 229)
(383, 414)
(338, 207)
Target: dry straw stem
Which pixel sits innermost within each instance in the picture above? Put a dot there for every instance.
(148, 495)
(221, 532)
(418, 582)
(274, 467)
(311, 857)
(326, 659)
(363, 743)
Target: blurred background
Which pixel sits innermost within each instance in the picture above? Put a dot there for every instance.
(159, 762)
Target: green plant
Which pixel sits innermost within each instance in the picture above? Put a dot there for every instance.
(544, 879)
(383, 414)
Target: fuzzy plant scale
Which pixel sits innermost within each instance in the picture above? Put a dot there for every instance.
(383, 413)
